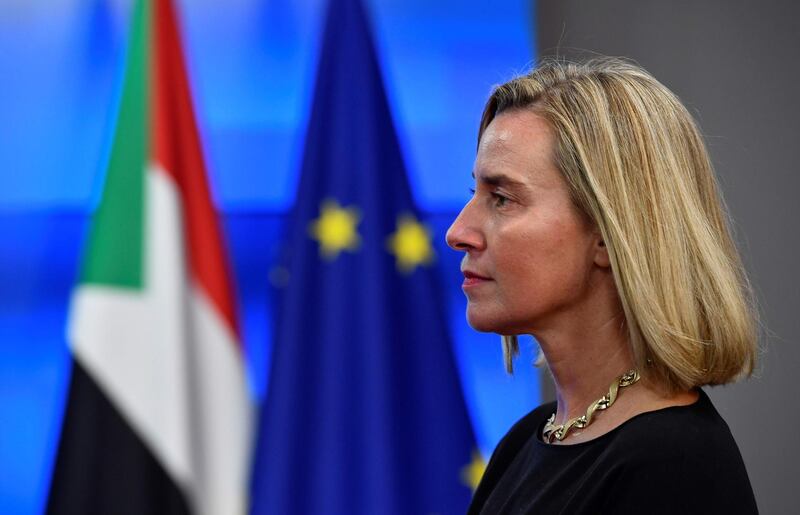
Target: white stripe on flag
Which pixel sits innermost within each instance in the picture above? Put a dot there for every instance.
(168, 362)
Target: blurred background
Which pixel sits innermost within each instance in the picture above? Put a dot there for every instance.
(252, 66)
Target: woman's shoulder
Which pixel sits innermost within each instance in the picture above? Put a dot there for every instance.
(690, 432)
(691, 449)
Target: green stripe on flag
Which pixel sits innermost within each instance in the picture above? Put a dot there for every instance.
(114, 254)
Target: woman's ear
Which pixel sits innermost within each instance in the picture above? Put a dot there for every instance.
(601, 258)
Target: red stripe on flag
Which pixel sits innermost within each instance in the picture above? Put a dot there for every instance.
(176, 147)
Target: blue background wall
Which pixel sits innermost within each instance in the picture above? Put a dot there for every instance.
(252, 64)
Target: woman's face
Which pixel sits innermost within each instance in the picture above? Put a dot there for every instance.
(529, 253)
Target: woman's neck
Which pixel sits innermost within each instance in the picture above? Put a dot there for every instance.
(585, 362)
(587, 347)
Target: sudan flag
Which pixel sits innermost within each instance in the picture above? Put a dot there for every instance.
(158, 415)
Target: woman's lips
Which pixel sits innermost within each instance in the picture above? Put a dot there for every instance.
(472, 279)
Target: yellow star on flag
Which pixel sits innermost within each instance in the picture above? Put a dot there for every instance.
(410, 244)
(471, 474)
(335, 229)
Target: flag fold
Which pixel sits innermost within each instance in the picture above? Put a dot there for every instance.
(364, 411)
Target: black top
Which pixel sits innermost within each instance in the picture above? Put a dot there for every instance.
(680, 459)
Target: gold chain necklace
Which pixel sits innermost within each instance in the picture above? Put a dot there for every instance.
(559, 432)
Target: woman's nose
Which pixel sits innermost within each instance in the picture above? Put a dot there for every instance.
(463, 234)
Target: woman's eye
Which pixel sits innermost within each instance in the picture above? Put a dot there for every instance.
(499, 200)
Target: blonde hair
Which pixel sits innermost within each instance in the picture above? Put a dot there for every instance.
(636, 165)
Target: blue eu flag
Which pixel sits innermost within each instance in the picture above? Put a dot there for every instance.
(364, 412)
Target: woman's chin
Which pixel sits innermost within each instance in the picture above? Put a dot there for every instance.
(484, 322)
(495, 321)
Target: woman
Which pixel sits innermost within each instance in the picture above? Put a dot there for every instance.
(597, 227)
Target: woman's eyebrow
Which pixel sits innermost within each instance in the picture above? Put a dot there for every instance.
(499, 179)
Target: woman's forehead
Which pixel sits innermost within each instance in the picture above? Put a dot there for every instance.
(518, 144)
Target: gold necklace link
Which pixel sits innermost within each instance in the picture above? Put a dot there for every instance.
(559, 432)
